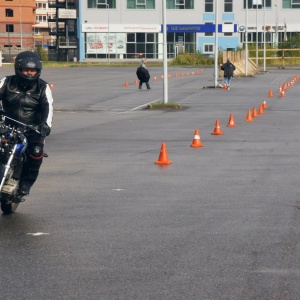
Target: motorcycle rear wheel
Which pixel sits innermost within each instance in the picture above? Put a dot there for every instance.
(8, 208)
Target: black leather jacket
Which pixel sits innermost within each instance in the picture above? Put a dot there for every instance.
(228, 69)
(31, 107)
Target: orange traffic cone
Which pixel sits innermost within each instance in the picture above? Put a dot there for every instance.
(126, 84)
(271, 94)
(249, 116)
(260, 110)
(217, 130)
(136, 82)
(231, 121)
(51, 86)
(154, 78)
(197, 140)
(282, 94)
(163, 156)
(224, 87)
(264, 104)
(280, 90)
(254, 113)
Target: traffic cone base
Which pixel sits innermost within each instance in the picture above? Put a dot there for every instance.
(231, 122)
(217, 130)
(197, 140)
(163, 156)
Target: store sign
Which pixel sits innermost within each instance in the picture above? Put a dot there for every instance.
(67, 13)
(120, 28)
(177, 28)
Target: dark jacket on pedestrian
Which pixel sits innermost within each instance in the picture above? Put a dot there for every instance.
(228, 68)
(142, 73)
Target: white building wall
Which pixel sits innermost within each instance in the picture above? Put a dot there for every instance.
(276, 17)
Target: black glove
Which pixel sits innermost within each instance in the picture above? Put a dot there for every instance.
(44, 129)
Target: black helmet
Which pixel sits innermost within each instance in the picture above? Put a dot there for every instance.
(30, 60)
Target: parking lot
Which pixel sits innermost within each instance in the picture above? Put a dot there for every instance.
(220, 222)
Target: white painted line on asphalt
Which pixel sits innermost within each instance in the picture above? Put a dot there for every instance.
(38, 233)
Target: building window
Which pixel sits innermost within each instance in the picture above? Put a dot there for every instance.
(9, 12)
(259, 3)
(180, 4)
(228, 6)
(209, 6)
(209, 33)
(41, 5)
(208, 48)
(9, 28)
(101, 4)
(141, 4)
(41, 19)
(290, 4)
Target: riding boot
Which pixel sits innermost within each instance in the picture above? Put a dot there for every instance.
(29, 175)
(148, 86)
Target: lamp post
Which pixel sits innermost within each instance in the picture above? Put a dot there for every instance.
(216, 43)
(165, 49)
(21, 31)
(246, 39)
(8, 10)
(264, 3)
(107, 40)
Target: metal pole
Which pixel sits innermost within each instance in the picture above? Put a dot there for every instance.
(264, 35)
(107, 7)
(165, 52)
(216, 44)
(8, 36)
(21, 30)
(246, 38)
(256, 34)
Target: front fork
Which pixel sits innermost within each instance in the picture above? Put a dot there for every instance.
(4, 169)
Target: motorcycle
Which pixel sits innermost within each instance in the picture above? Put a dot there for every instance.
(13, 144)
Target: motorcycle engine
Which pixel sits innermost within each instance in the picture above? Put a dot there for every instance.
(10, 186)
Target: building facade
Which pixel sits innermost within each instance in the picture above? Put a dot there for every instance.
(17, 18)
(126, 29)
(41, 32)
(129, 29)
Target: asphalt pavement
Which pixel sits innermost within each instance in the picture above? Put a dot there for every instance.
(104, 221)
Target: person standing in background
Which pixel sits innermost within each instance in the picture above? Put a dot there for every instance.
(143, 74)
(228, 69)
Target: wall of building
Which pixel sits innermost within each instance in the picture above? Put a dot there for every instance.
(21, 22)
(104, 22)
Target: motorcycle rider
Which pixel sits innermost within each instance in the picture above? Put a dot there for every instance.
(27, 98)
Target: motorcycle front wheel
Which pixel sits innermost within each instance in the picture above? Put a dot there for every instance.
(8, 207)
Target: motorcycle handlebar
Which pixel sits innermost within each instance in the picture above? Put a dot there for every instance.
(31, 127)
